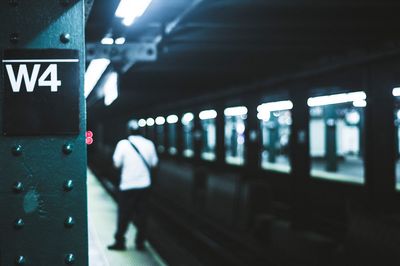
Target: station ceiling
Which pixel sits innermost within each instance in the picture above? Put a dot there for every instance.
(208, 46)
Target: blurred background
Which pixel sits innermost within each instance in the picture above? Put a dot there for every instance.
(276, 123)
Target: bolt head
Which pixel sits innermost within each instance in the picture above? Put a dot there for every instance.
(67, 148)
(68, 185)
(69, 259)
(18, 187)
(17, 150)
(19, 223)
(69, 222)
(20, 260)
(65, 37)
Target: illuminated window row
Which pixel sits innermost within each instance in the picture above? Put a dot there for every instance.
(336, 135)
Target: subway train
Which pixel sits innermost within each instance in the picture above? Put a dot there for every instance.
(276, 124)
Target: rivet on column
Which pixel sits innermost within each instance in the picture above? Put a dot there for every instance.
(68, 185)
(18, 187)
(69, 222)
(17, 150)
(19, 223)
(20, 260)
(67, 148)
(69, 258)
(65, 37)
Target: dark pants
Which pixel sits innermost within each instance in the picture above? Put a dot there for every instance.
(132, 207)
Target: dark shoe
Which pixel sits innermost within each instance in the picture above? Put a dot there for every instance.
(117, 246)
(140, 247)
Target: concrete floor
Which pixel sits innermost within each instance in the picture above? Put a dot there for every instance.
(102, 211)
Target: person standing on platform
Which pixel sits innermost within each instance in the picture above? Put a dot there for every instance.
(136, 157)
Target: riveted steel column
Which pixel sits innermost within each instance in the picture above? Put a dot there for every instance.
(43, 178)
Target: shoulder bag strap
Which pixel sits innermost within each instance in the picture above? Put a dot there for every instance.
(141, 156)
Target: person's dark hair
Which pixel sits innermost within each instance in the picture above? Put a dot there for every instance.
(133, 127)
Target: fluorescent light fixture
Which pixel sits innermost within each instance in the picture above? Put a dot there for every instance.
(187, 118)
(129, 10)
(336, 98)
(360, 103)
(235, 111)
(93, 73)
(142, 122)
(160, 120)
(172, 119)
(208, 114)
(120, 40)
(396, 92)
(111, 88)
(150, 122)
(107, 41)
(275, 106)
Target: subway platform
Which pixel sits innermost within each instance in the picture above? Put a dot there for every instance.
(102, 211)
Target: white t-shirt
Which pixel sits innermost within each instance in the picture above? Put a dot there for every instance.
(134, 173)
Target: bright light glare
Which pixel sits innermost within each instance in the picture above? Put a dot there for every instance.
(336, 98)
(172, 119)
(235, 111)
(129, 10)
(396, 92)
(208, 114)
(107, 41)
(93, 73)
(142, 123)
(120, 40)
(150, 122)
(360, 103)
(160, 120)
(264, 116)
(275, 106)
(187, 118)
(111, 88)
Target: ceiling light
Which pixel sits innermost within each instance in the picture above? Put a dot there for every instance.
(396, 92)
(129, 10)
(111, 88)
(93, 73)
(275, 106)
(150, 122)
(187, 118)
(235, 111)
(142, 122)
(208, 114)
(336, 98)
(120, 40)
(107, 41)
(172, 119)
(160, 120)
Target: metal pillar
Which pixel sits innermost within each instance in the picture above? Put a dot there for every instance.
(43, 177)
(330, 138)
(273, 138)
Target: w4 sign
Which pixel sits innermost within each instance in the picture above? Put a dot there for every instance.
(41, 92)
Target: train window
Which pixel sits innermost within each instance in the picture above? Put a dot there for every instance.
(172, 120)
(275, 124)
(207, 118)
(160, 121)
(187, 127)
(336, 136)
(150, 129)
(142, 125)
(234, 134)
(396, 94)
